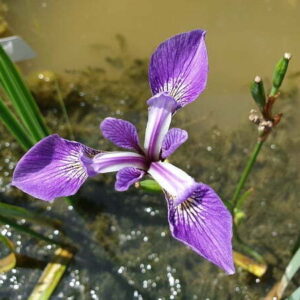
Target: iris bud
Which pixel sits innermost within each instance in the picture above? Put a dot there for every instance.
(280, 70)
(150, 185)
(258, 92)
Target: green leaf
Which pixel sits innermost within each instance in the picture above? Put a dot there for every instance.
(291, 269)
(30, 231)
(14, 211)
(15, 127)
(150, 185)
(295, 295)
(21, 98)
(243, 198)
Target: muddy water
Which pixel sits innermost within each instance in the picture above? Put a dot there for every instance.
(244, 38)
(124, 247)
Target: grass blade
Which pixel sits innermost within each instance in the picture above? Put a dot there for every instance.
(14, 127)
(14, 211)
(21, 97)
(295, 295)
(279, 288)
(30, 231)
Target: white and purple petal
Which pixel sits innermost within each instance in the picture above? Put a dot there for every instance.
(122, 133)
(203, 223)
(179, 66)
(114, 161)
(52, 168)
(173, 180)
(161, 108)
(173, 140)
(126, 177)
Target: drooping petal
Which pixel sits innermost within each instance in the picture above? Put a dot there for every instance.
(203, 223)
(121, 133)
(114, 161)
(179, 66)
(173, 140)
(173, 180)
(126, 177)
(52, 168)
(161, 108)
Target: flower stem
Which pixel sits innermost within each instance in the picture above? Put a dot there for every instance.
(246, 172)
(274, 91)
(63, 108)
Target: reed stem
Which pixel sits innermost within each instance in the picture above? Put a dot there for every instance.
(250, 163)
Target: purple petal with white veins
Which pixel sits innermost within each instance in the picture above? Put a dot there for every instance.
(121, 133)
(173, 140)
(126, 177)
(173, 180)
(161, 108)
(203, 223)
(179, 66)
(52, 168)
(114, 161)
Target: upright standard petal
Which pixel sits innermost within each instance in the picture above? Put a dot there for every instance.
(203, 223)
(114, 161)
(173, 140)
(173, 180)
(126, 177)
(52, 168)
(121, 133)
(179, 66)
(161, 108)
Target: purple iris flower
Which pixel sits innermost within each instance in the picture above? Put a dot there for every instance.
(56, 167)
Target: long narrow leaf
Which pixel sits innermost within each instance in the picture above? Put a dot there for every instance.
(14, 211)
(14, 126)
(279, 288)
(30, 231)
(295, 295)
(21, 97)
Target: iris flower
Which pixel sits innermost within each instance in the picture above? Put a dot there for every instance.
(56, 167)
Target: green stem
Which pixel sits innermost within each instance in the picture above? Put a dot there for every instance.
(29, 231)
(63, 108)
(246, 172)
(274, 91)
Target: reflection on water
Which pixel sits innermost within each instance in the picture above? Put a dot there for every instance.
(124, 246)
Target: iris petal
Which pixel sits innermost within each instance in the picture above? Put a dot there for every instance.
(121, 133)
(161, 108)
(173, 140)
(114, 161)
(52, 168)
(179, 66)
(126, 177)
(173, 180)
(203, 223)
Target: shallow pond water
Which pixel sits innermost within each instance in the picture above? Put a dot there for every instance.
(124, 248)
